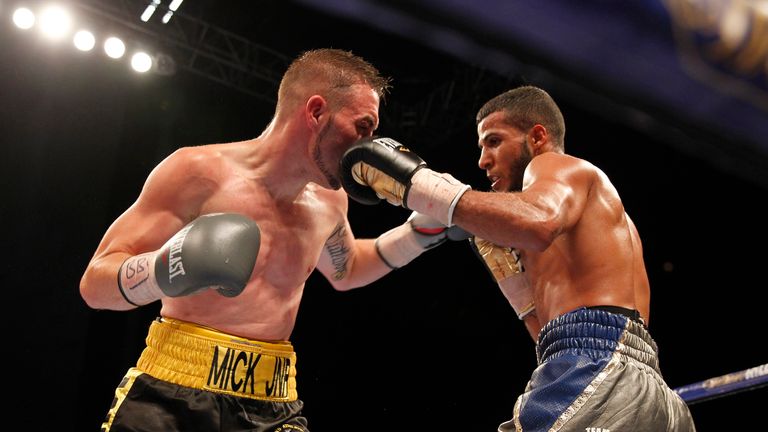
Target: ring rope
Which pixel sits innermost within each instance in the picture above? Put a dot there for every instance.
(747, 379)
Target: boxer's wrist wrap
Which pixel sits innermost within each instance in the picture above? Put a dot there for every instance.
(506, 268)
(399, 246)
(434, 194)
(136, 280)
(520, 296)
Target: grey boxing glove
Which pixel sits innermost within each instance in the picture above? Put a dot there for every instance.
(215, 251)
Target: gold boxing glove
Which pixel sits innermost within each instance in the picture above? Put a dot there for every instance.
(506, 268)
(383, 185)
(378, 168)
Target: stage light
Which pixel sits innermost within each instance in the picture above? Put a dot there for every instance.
(23, 18)
(84, 40)
(54, 22)
(141, 62)
(171, 9)
(147, 14)
(114, 47)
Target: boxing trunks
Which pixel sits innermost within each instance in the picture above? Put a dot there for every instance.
(598, 371)
(191, 377)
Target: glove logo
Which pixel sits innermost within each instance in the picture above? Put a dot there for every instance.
(175, 263)
(390, 144)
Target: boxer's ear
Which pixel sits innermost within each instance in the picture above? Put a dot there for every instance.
(314, 110)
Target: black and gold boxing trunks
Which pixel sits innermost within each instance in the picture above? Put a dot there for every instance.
(598, 371)
(191, 377)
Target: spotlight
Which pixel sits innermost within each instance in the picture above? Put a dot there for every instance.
(23, 18)
(54, 22)
(171, 9)
(141, 62)
(114, 47)
(84, 40)
(147, 14)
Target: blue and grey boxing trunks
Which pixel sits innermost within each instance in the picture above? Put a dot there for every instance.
(192, 378)
(598, 371)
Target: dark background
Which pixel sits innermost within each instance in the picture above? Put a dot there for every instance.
(431, 346)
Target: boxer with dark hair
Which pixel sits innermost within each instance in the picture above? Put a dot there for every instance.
(558, 242)
(225, 236)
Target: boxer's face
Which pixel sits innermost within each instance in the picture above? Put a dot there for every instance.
(356, 117)
(504, 153)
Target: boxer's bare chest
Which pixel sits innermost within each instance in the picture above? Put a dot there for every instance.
(293, 232)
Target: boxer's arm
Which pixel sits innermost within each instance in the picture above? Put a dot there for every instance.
(168, 201)
(366, 260)
(402, 244)
(348, 262)
(555, 192)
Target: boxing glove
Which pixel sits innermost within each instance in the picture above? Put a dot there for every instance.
(401, 245)
(507, 270)
(215, 251)
(378, 168)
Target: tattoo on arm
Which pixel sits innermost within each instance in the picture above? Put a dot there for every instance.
(338, 251)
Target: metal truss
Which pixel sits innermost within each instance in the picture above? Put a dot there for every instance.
(442, 114)
(193, 45)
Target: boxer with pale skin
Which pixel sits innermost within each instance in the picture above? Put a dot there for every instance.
(225, 236)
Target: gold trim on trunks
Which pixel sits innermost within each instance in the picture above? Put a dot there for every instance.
(203, 358)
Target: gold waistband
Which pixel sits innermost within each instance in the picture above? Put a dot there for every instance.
(193, 356)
